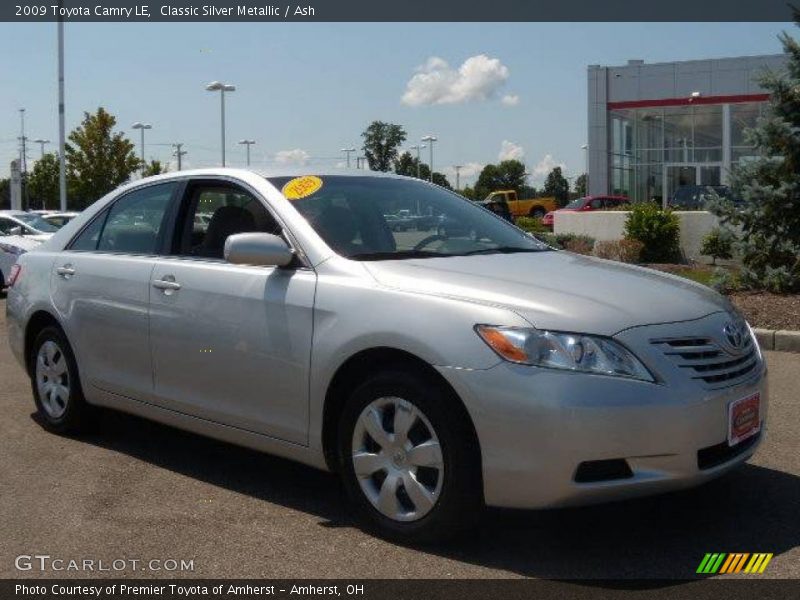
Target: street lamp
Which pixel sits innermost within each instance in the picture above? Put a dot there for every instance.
(458, 175)
(179, 153)
(418, 147)
(585, 149)
(247, 144)
(141, 127)
(216, 86)
(41, 143)
(347, 152)
(430, 139)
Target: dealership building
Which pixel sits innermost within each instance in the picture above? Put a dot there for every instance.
(654, 128)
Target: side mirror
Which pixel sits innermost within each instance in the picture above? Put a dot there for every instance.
(259, 249)
(16, 230)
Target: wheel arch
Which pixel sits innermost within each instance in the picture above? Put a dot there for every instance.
(38, 321)
(353, 370)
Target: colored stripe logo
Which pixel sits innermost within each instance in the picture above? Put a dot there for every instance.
(736, 562)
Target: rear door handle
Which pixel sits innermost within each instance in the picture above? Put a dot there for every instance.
(66, 271)
(166, 285)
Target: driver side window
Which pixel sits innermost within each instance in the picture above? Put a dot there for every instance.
(215, 211)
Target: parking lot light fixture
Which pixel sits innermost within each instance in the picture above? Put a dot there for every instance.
(430, 139)
(347, 152)
(217, 86)
(247, 144)
(418, 148)
(141, 127)
(41, 143)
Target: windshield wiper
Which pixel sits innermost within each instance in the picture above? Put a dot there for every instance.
(503, 250)
(397, 255)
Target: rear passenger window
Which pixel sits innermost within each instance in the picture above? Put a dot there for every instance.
(136, 220)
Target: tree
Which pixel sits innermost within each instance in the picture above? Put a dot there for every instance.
(508, 175)
(43, 185)
(718, 243)
(580, 185)
(381, 141)
(405, 164)
(98, 160)
(5, 193)
(154, 167)
(556, 185)
(440, 179)
(768, 186)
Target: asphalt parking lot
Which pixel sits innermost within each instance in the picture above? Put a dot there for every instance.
(138, 490)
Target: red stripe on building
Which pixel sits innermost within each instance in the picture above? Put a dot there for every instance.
(689, 101)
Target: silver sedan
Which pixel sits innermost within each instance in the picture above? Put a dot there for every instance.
(437, 370)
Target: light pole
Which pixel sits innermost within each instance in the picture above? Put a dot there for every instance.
(216, 86)
(347, 152)
(430, 139)
(141, 127)
(418, 147)
(458, 176)
(247, 144)
(41, 143)
(585, 149)
(62, 165)
(179, 153)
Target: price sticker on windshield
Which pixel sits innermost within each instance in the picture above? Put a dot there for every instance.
(301, 187)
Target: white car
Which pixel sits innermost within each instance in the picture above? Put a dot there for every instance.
(59, 219)
(20, 232)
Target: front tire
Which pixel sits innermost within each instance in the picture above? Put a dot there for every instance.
(57, 390)
(409, 460)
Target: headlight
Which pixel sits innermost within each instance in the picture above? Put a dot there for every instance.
(569, 351)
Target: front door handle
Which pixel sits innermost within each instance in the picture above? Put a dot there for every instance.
(66, 271)
(168, 284)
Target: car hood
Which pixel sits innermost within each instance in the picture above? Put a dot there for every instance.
(557, 290)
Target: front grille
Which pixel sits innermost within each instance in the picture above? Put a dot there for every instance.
(713, 456)
(702, 358)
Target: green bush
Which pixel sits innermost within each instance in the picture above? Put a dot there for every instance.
(530, 224)
(549, 239)
(718, 243)
(657, 229)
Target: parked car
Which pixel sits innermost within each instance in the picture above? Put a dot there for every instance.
(586, 204)
(59, 219)
(696, 197)
(524, 207)
(433, 375)
(19, 232)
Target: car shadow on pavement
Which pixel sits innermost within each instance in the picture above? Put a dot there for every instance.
(753, 509)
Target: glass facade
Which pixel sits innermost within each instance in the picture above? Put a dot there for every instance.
(655, 151)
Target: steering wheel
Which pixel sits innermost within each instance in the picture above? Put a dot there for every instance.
(425, 241)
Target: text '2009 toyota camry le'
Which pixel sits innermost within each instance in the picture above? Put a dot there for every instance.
(438, 367)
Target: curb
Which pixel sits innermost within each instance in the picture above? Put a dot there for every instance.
(780, 340)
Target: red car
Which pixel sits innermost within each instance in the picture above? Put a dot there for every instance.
(587, 203)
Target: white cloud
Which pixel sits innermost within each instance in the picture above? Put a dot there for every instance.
(291, 157)
(468, 172)
(511, 151)
(436, 82)
(544, 166)
(510, 99)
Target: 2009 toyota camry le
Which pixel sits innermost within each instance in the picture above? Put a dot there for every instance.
(452, 363)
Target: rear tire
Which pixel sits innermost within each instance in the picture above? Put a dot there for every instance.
(538, 212)
(57, 390)
(419, 470)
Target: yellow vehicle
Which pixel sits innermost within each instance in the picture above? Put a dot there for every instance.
(531, 207)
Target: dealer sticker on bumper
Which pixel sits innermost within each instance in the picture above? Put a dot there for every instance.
(744, 418)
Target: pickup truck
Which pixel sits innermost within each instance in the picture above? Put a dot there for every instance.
(531, 207)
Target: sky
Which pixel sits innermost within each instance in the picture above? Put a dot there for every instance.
(487, 91)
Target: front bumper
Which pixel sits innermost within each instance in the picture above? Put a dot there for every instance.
(536, 426)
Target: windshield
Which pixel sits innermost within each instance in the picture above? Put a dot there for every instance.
(376, 218)
(36, 222)
(575, 204)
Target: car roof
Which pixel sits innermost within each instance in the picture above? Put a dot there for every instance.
(275, 172)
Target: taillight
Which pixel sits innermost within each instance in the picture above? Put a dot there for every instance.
(13, 276)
